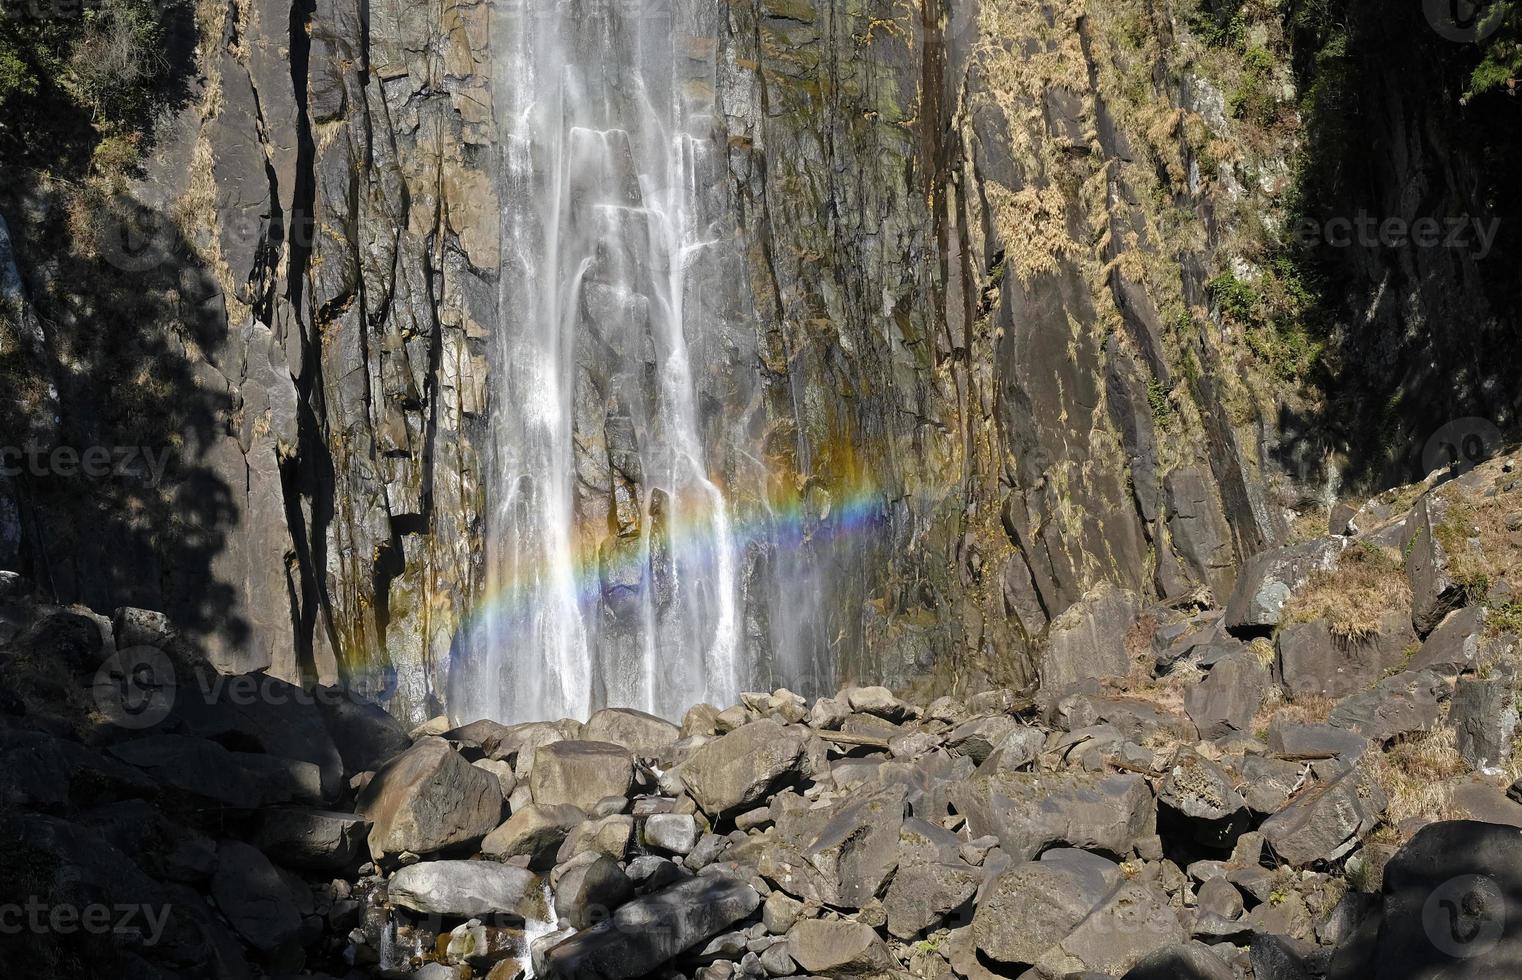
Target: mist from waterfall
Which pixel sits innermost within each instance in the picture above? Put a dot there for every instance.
(609, 164)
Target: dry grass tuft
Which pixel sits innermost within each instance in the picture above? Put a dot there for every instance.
(1367, 580)
(1415, 775)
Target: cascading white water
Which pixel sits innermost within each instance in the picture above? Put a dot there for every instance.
(611, 571)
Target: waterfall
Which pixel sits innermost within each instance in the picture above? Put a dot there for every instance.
(611, 557)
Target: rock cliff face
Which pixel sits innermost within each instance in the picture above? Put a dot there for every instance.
(978, 243)
(962, 226)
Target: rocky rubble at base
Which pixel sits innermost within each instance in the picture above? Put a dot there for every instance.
(1311, 781)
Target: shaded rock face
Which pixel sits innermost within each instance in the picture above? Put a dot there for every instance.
(1449, 904)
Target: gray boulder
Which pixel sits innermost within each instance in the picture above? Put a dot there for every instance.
(642, 734)
(610, 835)
(534, 831)
(468, 889)
(429, 798)
(1029, 908)
(1314, 741)
(674, 833)
(735, 772)
(1229, 696)
(1191, 962)
(1269, 578)
(1204, 795)
(856, 850)
(1313, 662)
(264, 714)
(365, 734)
(1327, 822)
(198, 766)
(1434, 593)
(255, 898)
(648, 932)
(1132, 922)
(1030, 812)
(1484, 719)
(587, 891)
(978, 737)
(839, 949)
(1449, 908)
(1399, 705)
(878, 701)
(580, 773)
(1454, 645)
(1089, 639)
(931, 881)
(319, 840)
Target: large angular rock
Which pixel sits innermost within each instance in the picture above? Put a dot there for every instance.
(650, 931)
(1191, 962)
(856, 850)
(1229, 696)
(580, 773)
(1269, 578)
(931, 881)
(198, 766)
(264, 714)
(535, 832)
(1484, 719)
(588, 890)
(839, 949)
(1327, 822)
(41, 770)
(1398, 705)
(978, 737)
(1089, 639)
(1312, 662)
(255, 898)
(1030, 907)
(674, 833)
(645, 735)
(1450, 905)
(735, 772)
(1434, 593)
(367, 737)
(518, 743)
(319, 840)
(427, 799)
(610, 835)
(1454, 645)
(1132, 922)
(1030, 812)
(878, 701)
(467, 889)
(1205, 796)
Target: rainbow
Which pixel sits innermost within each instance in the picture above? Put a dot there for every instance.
(791, 525)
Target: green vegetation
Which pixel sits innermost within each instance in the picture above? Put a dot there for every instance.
(73, 79)
(1275, 314)
(1500, 65)
(1255, 99)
